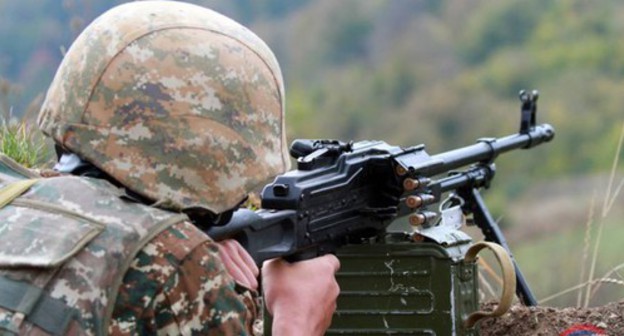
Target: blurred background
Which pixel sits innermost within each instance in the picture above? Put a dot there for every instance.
(442, 73)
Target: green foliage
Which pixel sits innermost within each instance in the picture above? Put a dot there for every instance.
(17, 138)
(394, 84)
(301, 114)
(23, 144)
(346, 34)
(499, 25)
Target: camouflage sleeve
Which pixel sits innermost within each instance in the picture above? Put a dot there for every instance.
(177, 285)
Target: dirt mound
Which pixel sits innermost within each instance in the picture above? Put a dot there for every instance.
(521, 320)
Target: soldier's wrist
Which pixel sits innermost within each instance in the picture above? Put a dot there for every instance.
(293, 323)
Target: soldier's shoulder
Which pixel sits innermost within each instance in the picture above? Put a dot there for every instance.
(172, 246)
(178, 240)
(155, 270)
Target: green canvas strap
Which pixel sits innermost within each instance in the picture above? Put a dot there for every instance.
(13, 190)
(49, 314)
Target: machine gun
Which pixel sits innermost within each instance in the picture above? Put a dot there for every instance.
(343, 193)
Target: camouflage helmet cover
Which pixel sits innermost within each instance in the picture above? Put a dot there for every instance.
(178, 103)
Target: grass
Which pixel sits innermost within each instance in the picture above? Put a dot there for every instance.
(551, 264)
(559, 256)
(609, 199)
(19, 140)
(22, 143)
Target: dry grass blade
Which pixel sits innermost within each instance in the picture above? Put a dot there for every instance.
(614, 270)
(580, 286)
(608, 203)
(594, 260)
(488, 269)
(486, 284)
(586, 243)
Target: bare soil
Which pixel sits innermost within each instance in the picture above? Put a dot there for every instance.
(534, 321)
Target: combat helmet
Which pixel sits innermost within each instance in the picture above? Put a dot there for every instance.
(176, 102)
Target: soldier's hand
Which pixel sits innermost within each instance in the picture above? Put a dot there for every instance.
(301, 296)
(239, 263)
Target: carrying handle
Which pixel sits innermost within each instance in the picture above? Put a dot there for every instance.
(509, 281)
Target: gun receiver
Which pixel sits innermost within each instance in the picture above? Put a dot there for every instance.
(347, 192)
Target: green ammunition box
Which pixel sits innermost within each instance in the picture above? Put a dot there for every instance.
(395, 286)
(400, 287)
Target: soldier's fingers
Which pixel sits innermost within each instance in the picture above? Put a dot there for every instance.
(245, 258)
(332, 261)
(249, 269)
(235, 269)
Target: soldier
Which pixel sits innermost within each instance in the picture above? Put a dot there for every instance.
(164, 115)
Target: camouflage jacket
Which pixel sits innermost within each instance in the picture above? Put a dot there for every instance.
(177, 286)
(78, 259)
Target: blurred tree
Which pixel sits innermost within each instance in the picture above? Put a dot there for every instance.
(499, 25)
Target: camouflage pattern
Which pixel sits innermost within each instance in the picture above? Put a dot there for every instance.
(169, 290)
(75, 238)
(180, 104)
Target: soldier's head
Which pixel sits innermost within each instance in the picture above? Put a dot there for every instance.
(174, 101)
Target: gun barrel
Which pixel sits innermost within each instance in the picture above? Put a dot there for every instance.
(486, 150)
